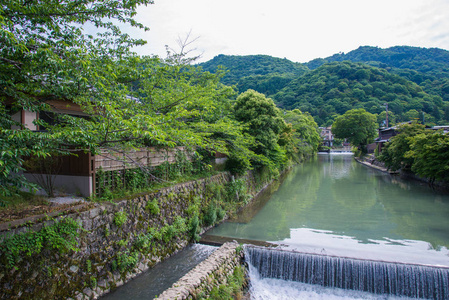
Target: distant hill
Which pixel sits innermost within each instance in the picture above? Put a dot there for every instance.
(413, 81)
(336, 87)
(263, 73)
(428, 67)
(430, 61)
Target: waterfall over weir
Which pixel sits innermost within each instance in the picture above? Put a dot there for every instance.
(414, 281)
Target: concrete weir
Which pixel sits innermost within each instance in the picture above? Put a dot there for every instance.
(209, 273)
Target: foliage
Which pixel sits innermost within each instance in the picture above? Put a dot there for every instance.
(263, 119)
(210, 215)
(237, 164)
(430, 154)
(139, 101)
(127, 260)
(306, 135)
(423, 151)
(221, 213)
(180, 224)
(357, 126)
(21, 201)
(334, 88)
(122, 243)
(367, 77)
(394, 152)
(61, 236)
(153, 207)
(46, 56)
(194, 227)
(236, 191)
(168, 232)
(426, 67)
(268, 84)
(242, 68)
(429, 61)
(117, 183)
(233, 287)
(120, 218)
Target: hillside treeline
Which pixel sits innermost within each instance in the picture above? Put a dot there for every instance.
(414, 82)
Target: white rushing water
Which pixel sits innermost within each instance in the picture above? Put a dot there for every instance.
(278, 274)
(278, 289)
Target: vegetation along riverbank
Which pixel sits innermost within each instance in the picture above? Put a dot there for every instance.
(138, 138)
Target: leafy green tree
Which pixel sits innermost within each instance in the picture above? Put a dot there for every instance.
(130, 101)
(357, 126)
(394, 152)
(263, 121)
(306, 135)
(262, 118)
(45, 55)
(430, 154)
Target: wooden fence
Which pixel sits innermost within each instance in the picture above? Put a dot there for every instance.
(147, 157)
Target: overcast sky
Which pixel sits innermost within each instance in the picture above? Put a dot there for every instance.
(296, 29)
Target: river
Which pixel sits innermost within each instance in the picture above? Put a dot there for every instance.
(331, 206)
(335, 206)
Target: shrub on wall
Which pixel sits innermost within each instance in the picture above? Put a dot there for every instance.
(120, 218)
(153, 207)
(60, 236)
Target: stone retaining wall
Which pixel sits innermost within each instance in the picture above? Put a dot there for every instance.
(108, 254)
(208, 274)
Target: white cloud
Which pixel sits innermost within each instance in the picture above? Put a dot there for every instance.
(297, 29)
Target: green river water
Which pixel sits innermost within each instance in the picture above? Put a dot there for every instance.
(335, 206)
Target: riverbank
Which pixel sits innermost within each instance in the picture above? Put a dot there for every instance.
(111, 243)
(371, 162)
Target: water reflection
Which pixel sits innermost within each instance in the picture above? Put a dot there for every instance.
(335, 204)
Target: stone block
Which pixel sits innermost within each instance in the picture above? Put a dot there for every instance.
(95, 212)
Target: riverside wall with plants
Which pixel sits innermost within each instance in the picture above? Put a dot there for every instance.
(86, 254)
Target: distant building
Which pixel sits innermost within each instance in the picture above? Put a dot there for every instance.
(445, 128)
(328, 137)
(385, 134)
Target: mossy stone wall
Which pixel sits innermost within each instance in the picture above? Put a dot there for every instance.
(117, 242)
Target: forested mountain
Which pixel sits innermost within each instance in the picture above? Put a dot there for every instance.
(430, 61)
(428, 67)
(413, 81)
(263, 73)
(334, 88)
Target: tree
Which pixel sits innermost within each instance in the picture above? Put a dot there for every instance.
(45, 55)
(430, 154)
(357, 126)
(131, 101)
(306, 137)
(262, 117)
(394, 152)
(263, 121)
